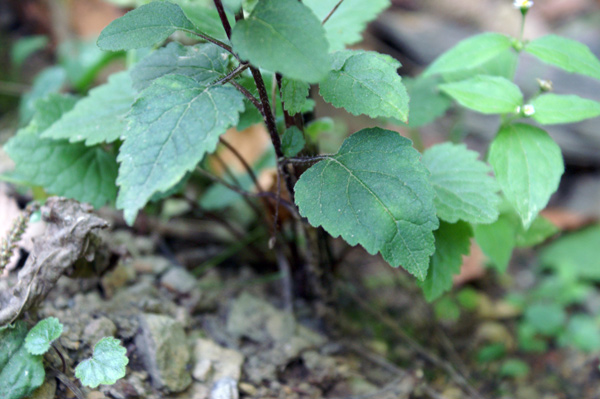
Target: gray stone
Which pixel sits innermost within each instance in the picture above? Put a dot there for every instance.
(151, 264)
(179, 280)
(225, 388)
(162, 346)
(223, 362)
(97, 329)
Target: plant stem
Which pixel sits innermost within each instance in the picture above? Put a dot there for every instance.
(249, 96)
(271, 127)
(332, 11)
(301, 160)
(223, 16)
(244, 163)
(233, 74)
(212, 40)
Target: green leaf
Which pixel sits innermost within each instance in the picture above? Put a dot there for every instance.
(427, 102)
(575, 254)
(283, 36)
(99, 117)
(555, 108)
(21, 373)
(204, 63)
(86, 174)
(464, 190)
(497, 241)
(546, 318)
(515, 368)
(365, 83)
(40, 337)
(583, 333)
(144, 27)
(470, 53)
(24, 47)
(49, 81)
(567, 54)
(348, 22)
(294, 95)
(106, 366)
(504, 64)
(376, 193)
(528, 165)
(539, 231)
(485, 94)
(173, 124)
(292, 141)
(452, 241)
(205, 19)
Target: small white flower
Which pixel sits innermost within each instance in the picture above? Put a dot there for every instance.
(528, 110)
(523, 4)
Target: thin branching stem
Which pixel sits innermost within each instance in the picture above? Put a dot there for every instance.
(247, 166)
(249, 96)
(233, 74)
(212, 40)
(334, 9)
(223, 16)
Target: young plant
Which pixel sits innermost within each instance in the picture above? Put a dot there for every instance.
(148, 129)
(21, 359)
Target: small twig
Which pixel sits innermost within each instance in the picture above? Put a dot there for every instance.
(332, 11)
(223, 16)
(62, 377)
(302, 160)
(286, 280)
(291, 207)
(247, 166)
(62, 358)
(232, 75)
(212, 40)
(249, 96)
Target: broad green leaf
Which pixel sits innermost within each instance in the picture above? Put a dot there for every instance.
(21, 373)
(485, 94)
(99, 117)
(546, 318)
(463, 188)
(144, 27)
(427, 102)
(346, 25)
(72, 170)
(575, 254)
(528, 165)
(583, 333)
(365, 83)
(11, 339)
(470, 53)
(294, 95)
(206, 19)
(374, 192)
(497, 241)
(292, 141)
(283, 36)
(173, 124)
(49, 81)
(540, 230)
(504, 64)
(452, 241)
(555, 108)
(316, 128)
(41, 336)
(567, 54)
(205, 63)
(106, 366)
(515, 368)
